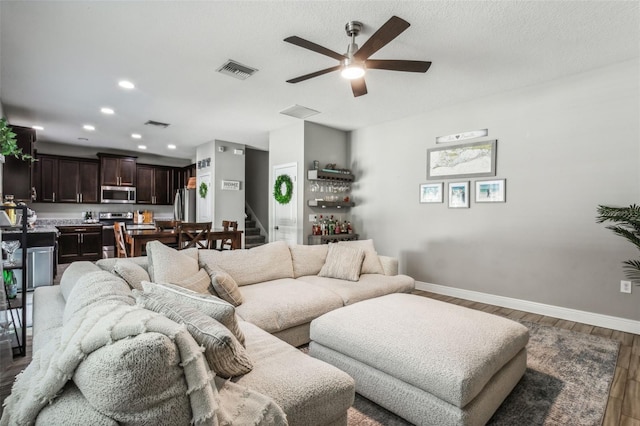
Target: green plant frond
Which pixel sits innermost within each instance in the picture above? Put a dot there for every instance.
(632, 269)
(631, 236)
(618, 214)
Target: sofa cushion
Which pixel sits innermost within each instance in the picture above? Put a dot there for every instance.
(110, 263)
(97, 287)
(199, 282)
(225, 286)
(224, 353)
(308, 260)
(131, 272)
(310, 391)
(264, 263)
(368, 287)
(169, 265)
(281, 304)
(209, 305)
(371, 264)
(73, 273)
(343, 263)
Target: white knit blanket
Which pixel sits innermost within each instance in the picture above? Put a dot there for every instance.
(212, 402)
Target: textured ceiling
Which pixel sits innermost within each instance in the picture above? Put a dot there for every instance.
(60, 62)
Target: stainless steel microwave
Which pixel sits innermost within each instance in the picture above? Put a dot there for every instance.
(118, 194)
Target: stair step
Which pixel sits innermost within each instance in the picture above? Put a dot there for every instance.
(254, 239)
(251, 231)
(249, 224)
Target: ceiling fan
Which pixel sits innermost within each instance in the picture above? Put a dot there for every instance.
(356, 60)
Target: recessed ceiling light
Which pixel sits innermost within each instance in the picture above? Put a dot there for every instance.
(126, 84)
(136, 135)
(107, 111)
(37, 127)
(171, 146)
(142, 147)
(89, 127)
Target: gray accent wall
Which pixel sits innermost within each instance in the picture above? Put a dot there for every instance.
(257, 188)
(564, 147)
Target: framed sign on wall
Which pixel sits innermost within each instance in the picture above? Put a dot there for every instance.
(475, 159)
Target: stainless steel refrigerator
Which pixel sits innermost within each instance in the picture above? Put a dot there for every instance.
(184, 205)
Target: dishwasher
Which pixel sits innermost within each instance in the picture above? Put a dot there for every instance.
(39, 266)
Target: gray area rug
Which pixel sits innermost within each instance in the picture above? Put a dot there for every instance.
(566, 383)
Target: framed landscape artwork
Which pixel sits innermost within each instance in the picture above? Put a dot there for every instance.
(491, 191)
(475, 159)
(431, 192)
(459, 195)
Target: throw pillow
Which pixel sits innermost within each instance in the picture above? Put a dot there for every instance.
(132, 273)
(169, 265)
(265, 263)
(225, 355)
(371, 264)
(199, 282)
(225, 286)
(343, 263)
(308, 260)
(209, 305)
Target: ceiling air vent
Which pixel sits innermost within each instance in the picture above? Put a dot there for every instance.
(237, 70)
(299, 111)
(156, 124)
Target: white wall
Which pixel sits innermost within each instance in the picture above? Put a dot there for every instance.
(287, 146)
(229, 166)
(564, 147)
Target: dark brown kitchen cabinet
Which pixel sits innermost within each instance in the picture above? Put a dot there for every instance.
(46, 179)
(18, 174)
(154, 184)
(83, 242)
(117, 170)
(67, 180)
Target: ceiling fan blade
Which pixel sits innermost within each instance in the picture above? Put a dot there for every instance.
(314, 47)
(359, 87)
(398, 65)
(390, 30)
(313, 74)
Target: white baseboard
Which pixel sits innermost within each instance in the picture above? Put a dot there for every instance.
(606, 321)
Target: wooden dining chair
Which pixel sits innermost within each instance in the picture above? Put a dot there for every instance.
(121, 246)
(227, 225)
(193, 234)
(164, 225)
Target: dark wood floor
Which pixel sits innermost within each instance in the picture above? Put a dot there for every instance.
(623, 408)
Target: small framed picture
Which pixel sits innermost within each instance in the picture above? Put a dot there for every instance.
(491, 191)
(459, 195)
(431, 192)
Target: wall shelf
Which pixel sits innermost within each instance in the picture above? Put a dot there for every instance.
(330, 204)
(330, 175)
(326, 239)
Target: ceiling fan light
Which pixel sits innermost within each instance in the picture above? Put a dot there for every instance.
(352, 72)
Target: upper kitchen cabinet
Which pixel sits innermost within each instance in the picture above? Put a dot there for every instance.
(66, 180)
(154, 184)
(116, 170)
(17, 174)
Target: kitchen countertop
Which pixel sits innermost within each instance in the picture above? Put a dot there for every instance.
(38, 229)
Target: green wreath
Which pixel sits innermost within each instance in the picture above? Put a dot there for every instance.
(277, 189)
(203, 190)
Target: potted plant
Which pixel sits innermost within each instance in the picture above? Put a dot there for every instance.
(627, 220)
(9, 143)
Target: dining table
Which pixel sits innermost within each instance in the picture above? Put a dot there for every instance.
(137, 239)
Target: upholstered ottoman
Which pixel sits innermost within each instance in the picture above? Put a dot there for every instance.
(430, 362)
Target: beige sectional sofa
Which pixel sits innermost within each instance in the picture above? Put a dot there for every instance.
(108, 351)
